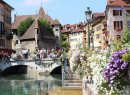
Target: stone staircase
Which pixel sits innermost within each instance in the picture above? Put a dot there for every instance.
(71, 81)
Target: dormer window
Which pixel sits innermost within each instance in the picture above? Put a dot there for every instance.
(117, 12)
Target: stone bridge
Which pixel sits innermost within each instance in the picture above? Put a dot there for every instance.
(45, 66)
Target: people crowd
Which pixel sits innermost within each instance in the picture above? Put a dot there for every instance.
(41, 53)
(4, 56)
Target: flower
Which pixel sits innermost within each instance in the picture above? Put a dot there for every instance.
(120, 8)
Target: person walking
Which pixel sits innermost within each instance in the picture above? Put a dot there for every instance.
(52, 50)
(48, 52)
(45, 53)
(26, 53)
(59, 51)
(23, 53)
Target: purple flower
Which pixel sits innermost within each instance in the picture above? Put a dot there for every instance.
(114, 55)
(113, 72)
(76, 59)
(99, 51)
(112, 77)
(120, 8)
(108, 26)
(111, 84)
(115, 65)
(127, 77)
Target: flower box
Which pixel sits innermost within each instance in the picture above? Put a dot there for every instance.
(118, 29)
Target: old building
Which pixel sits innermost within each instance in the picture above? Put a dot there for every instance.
(116, 16)
(76, 35)
(98, 20)
(37, 37)
(19, 42)
(5, 27)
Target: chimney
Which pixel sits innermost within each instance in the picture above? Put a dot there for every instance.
(14, 16)
(110, 1)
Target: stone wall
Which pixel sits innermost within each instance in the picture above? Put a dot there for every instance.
(28, 45)
(46, 43)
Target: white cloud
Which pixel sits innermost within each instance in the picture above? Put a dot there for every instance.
(33, 2)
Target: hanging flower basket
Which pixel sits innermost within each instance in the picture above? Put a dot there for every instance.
(118, 29)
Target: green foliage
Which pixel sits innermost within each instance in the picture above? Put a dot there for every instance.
(46, 24)
(65, 44)
(24, 25)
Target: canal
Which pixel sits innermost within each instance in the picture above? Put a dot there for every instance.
(30, 84)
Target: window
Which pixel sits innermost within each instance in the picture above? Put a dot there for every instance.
(117, 12)
(118, 24)
(98, 36)
(2, 42)
(56, 29)
(16, 41)
(128, 11)
(37, 31)
(98, 27)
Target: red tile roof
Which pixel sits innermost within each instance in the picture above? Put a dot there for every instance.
(77, 30)
(56, 22)
(41, 14)
(98, 15)
(118, 3)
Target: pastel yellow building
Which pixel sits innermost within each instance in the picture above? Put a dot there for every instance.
(98, 25)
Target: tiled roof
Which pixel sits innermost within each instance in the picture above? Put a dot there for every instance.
(41, 14)
(118, 3)
(36, 25)
(77, 30)
(98, 15)
(56, 22)
(63, 31)
(30, 33)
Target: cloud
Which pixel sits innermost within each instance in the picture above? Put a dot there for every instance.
(33, 2)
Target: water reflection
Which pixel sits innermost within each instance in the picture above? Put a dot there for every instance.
(28, 84)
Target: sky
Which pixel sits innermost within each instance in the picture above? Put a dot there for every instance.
(66, 11)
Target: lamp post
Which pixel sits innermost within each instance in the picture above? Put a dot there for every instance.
(92, 33)
(88, 18)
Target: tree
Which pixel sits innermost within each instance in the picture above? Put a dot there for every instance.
(24, 25)
(46, 24)
(65, 44)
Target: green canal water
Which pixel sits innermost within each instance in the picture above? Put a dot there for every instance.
(25, 84)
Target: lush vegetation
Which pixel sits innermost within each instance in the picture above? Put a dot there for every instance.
(108, 66)
(24, 25)
(65, 44)
(46, 24)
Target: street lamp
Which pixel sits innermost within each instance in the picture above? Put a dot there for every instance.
(88, 18)
(92, 33)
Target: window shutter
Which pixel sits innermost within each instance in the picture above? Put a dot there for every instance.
(113, 12)
(114, 24)
(120, 12)
(121, 24)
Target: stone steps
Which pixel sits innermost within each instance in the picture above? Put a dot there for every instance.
(72, 84)
(72, 78)
(72, 81)
(70, 75)
(71, 87)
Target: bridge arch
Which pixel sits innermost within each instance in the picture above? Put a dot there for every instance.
(19, 69)
(56, 70)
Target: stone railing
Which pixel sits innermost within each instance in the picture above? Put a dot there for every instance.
(90, 89)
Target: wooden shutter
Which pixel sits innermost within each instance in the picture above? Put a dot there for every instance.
(120, 12)
(121, 24)
(113, 12)
(114, 24)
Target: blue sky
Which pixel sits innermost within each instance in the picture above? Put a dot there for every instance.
(66, 11)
